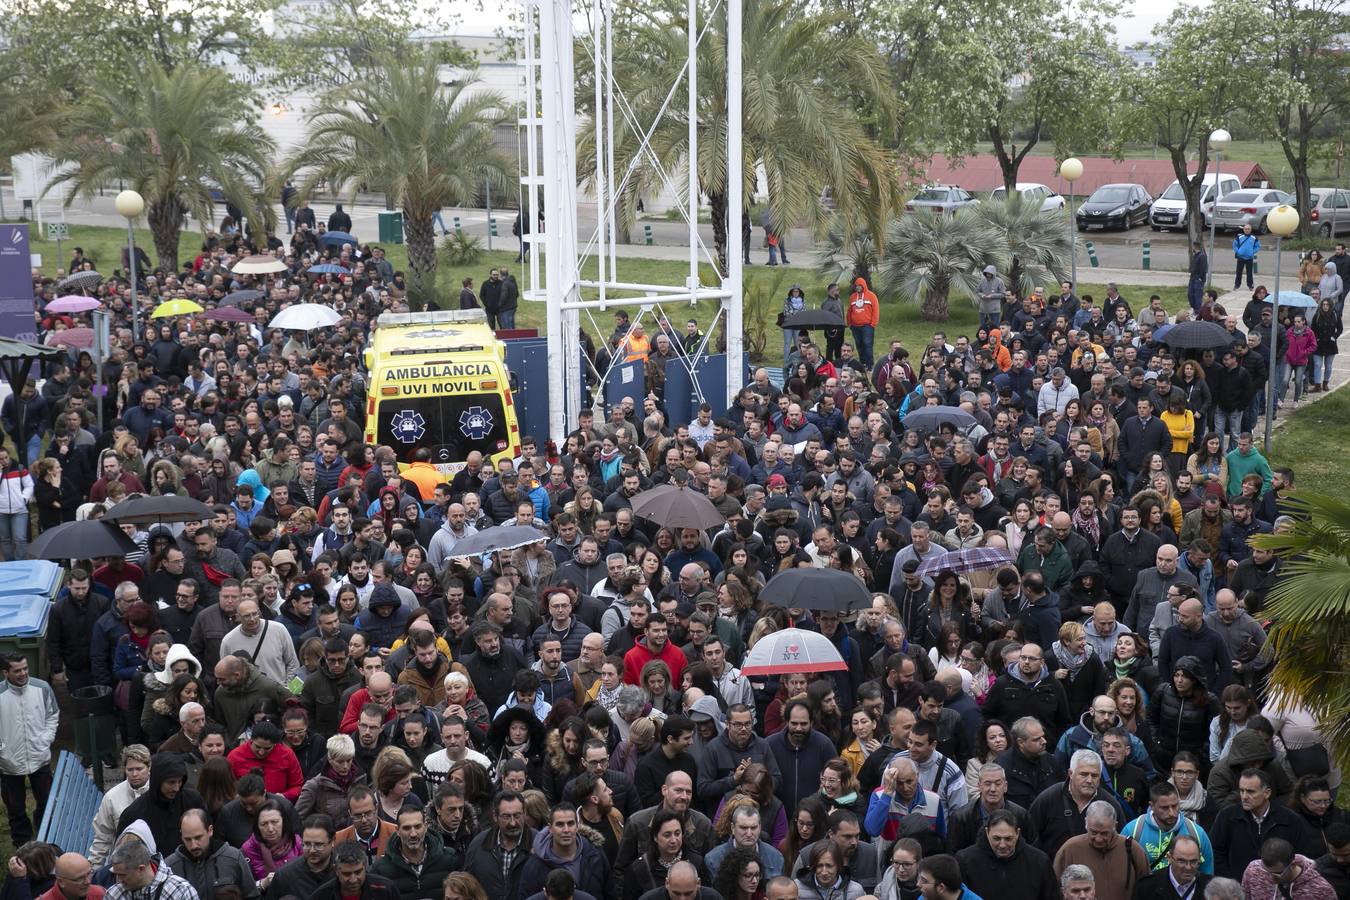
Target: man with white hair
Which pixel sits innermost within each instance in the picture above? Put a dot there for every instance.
(1078, 883)
(1117, 862)
(1060, 811)
(191, 723)
(900, 796)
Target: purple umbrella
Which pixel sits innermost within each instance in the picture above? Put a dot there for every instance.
(73, 303)
(968, 559)
(230, 314)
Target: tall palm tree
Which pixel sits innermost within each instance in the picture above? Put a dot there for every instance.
(1038, 245)
(401, 132)
(930, 256)
(1310, 611)
(800, 127)
(848, 254)
(179, 136)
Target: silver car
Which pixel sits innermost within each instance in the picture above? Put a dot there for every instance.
(1330, 213)
(1249, 206)
(943, 198)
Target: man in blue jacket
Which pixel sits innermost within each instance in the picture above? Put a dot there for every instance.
(1245, 248)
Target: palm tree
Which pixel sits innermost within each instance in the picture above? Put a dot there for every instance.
(929, 256)
(174, 139)
(1310, 611)
(800, 126)
(401, 132)
(1038, 245)
(848, 254)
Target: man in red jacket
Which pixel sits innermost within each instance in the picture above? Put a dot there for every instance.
(654, 645)
(264, 750)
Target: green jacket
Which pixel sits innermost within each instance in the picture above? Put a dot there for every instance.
(1056, 568)
(413, 885)
(1240, 467)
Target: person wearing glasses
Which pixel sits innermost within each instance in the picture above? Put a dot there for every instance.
(366, 829)
(740, 876)
(1180, 878)
(901, 880)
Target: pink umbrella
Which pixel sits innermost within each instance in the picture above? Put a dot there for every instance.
(229, 314)
(83, 338)
(73, 303)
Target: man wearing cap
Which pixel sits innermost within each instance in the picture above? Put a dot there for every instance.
(1056, 393)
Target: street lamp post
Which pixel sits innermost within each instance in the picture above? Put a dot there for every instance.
(1071, 170)
(1282, 222)
(129, 205)
(1219, 139)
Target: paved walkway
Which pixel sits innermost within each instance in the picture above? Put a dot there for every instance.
(1340, 367)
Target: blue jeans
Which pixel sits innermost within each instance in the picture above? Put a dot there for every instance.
(1321, 367)
(14, 535)
(437, 220)
(33, 450)
(789, 336)
(1300, 377)
(863, 336)
(1229, 423)
(989, 321)
(506, 318)
(773, 254)
(1281, 382)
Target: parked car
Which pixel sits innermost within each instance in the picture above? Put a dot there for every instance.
(1032, 193)
(943, 198)
(1114, 206)
(1169, 210)
(1330, 213)
(1245, 207)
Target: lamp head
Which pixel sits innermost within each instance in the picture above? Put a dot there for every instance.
(1219, 139)
(1282, 220)
(129, 204)
(1071, 169)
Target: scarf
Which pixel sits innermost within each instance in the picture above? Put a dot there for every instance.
(1193, 804)
(342, 781)
(1071, 662)
(1123, 669)
(1087, 525)
(607, 698)
(609, 455)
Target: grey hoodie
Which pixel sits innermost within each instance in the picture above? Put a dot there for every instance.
(991, 294)
(1332, 285)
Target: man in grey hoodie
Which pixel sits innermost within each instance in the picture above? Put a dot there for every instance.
(1243, 635)
(991, 294)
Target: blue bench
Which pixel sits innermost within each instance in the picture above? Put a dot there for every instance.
(68, 821)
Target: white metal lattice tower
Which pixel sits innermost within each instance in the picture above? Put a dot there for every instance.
(549, 184)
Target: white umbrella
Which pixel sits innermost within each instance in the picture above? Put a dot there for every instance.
(258, 265)
(792, 650)
(305, 317)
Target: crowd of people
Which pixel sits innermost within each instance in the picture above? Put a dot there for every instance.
(317, 697)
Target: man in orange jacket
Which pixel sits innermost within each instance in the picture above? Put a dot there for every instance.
(864, 313)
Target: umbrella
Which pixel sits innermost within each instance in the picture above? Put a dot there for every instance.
(675, 506)
(71, 337)
(73, 303)
(1198, 336)
(931, 418)
(968, 559)
(337, 237)
(229, 314)
(498, 537)
(328, 269)
(820, 589)
(258, 264)
(179, 307)
(82, 540)
(813, 318)
(241, 297)
(145, 509)
(1295, 298)
(305, 317)
(79, 281)
(792, 650)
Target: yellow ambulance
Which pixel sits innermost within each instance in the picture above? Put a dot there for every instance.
(439, 380)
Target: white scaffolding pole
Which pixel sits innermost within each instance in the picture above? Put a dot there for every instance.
(733, 281)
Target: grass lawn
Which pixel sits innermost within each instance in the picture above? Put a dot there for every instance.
(1312, 443)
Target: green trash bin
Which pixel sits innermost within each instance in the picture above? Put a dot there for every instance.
(391, 227)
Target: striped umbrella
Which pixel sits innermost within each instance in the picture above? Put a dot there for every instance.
(968, 559)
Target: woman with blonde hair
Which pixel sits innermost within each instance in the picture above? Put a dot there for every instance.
(463, 886)
(1075, 664)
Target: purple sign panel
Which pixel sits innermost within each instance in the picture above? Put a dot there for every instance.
(16, 284)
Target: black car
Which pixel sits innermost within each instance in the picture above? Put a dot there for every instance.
(1114, 206)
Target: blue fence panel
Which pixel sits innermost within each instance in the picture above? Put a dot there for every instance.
(68, 820)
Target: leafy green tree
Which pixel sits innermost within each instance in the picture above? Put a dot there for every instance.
(400, 131)
(1037, 242)
(1309, 608)
(1206, 67)
(174, 139)
(800, 127)
(930, 257)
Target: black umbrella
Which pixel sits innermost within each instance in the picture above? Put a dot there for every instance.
(831, 590)
(676, 506)
(1198, 335)
(931, 418)
(82, 540)
(813, 318)
(79, 280)
(238, 297)
(144, 510)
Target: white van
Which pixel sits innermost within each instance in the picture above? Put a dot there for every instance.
(1169, 210)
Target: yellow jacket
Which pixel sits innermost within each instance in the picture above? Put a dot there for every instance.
(1182, 428)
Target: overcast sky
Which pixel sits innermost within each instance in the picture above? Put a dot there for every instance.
(1134, 26)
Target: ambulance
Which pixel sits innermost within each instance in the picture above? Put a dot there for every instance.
(439, 380)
